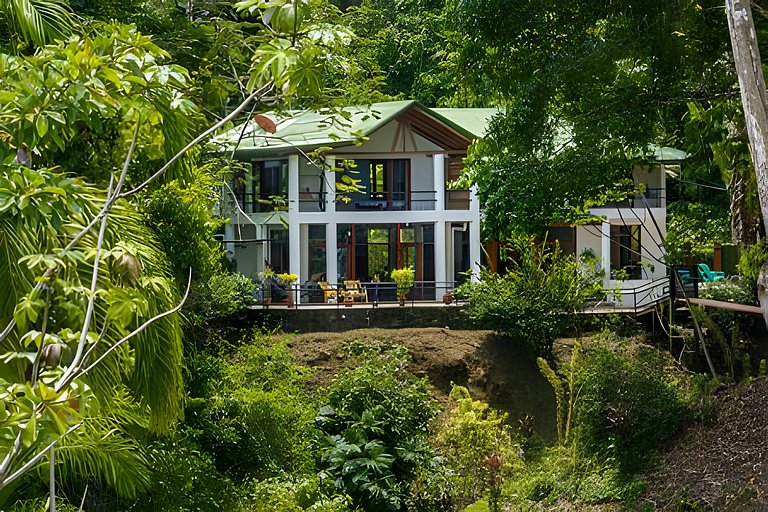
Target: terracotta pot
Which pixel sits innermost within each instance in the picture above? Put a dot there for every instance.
(348, 301)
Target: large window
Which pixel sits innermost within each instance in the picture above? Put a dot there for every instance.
(376, 176)
(386, 183)
(378, 253)
(278, 249)
(270, 185)
(625, 252)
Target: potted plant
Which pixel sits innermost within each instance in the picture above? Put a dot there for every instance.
(288, 280)
(403, 278)
(264, 280)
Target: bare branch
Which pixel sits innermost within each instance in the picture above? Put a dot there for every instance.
(34, 460)
(133, 333)
(256, 94)
(91, 297)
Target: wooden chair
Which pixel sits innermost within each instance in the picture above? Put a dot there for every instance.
(355, 291)
(329, 292)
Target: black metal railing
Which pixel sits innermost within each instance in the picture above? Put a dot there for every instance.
(651, 198)
(369, 294)
(396, 201)
(312, 201)
(251, 202)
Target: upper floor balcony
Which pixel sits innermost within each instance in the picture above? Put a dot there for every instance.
(651, 198)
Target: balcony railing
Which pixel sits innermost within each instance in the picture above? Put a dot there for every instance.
(457, 199)
(651, 198)
(418, 200)
(375, 293)
(251, 202)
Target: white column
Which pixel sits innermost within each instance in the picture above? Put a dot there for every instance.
(605, 248)
(294, 234)
(330, 189)
(262, 232)
(331, 262)
(440, 251)
(475, 244)
(438, 167)
(304, 235)
(474, 248)
(474, 202)
(229, 234)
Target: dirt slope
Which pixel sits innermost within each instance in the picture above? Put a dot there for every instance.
(724, 468)
(494, 369)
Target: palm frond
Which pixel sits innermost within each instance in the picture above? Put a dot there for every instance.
(152, 360)
(38, 21)
(104, 450)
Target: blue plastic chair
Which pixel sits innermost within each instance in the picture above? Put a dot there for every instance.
(710, 276)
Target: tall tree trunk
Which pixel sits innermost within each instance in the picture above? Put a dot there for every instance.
(745, 222)
(746, 56)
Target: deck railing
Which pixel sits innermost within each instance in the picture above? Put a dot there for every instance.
(415, 200)
(309, 295)
(651, 198)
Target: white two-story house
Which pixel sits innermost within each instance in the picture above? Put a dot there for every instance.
(290, 214)
(291, 217)
(629, 235)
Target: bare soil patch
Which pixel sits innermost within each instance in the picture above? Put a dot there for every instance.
(493, 368)
(724, 468)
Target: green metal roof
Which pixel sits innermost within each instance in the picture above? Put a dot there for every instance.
(665, 154)
(474, 120)
(308, 130)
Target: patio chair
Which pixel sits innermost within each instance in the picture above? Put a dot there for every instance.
(710, 276)
(329, 292)
(355, 291)
(685, 275)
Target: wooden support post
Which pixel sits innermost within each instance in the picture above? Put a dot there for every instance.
(717, 264)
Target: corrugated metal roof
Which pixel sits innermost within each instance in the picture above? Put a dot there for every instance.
(308, 130)
(665, 154)
(474, 120)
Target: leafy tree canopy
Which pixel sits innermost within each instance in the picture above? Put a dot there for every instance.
(584, 88)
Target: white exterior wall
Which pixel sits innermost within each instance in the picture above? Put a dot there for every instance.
(427, 174)
(653, 229)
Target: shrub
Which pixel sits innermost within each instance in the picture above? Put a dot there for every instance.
(404, 279)
(740, 292)
(532, 302)
(628, 402)
(752, 260)
(256, 419)
(290, 495)
(376, 420)
(473, 437)
(184, 480)
(227, 295)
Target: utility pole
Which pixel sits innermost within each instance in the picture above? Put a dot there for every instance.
(746, 57)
